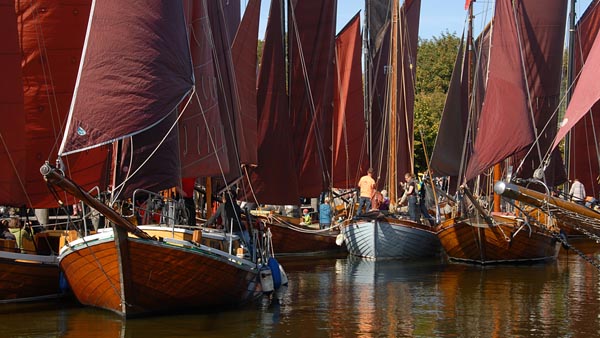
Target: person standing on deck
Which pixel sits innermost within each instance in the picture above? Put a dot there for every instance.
(577, 192)
(366, 184)
(411, 195)
(325, 214)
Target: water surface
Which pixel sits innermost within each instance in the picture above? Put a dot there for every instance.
(347, 297)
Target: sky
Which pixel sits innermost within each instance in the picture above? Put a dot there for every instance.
(437, 16)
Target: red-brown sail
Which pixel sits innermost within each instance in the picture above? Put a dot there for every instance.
(407, 55)
(505, 126)
(448, 149)
(542, 30)
(349, 155)
(201, 131)
(140, 76)
(584, 155)
(12, 128)
(272, 181)
(137, 61)
(410, 13)
(311, 46)
(226, 86)
(244, 59)
(51, 36)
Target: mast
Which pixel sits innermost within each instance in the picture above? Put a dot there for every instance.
(367, 85)
(570, 66)
(393, 92)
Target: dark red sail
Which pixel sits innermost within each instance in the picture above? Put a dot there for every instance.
(231, 10)
(582, 114)
(407, 57)
(273, 181)
(138, 61)
(505, 126)
(244, 59)
(450, 141)
(542, 31)
(226, 85)
(201, 129)
(349, 155)
(51, 36)
(12, 128)
(311, 46)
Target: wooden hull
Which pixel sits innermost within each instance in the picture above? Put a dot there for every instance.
(25, 277)
(290, 238)
(481, 244)
(141, 277)
(389, 238)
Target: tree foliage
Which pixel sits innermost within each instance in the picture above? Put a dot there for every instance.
(435, 61)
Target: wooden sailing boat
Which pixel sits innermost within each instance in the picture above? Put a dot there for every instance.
(506, 237)
(39, 62)
(377, 235)
(581, 146)
(130, 85)
(579, 115)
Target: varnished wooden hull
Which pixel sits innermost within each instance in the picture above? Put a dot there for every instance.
(301, 240)
(390, 238)
(148, 277)
(26, 277)
(482, 244)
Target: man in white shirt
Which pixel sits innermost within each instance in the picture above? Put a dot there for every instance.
(577, 192)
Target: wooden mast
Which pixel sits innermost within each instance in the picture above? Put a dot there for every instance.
(570, 79)
(393, 93)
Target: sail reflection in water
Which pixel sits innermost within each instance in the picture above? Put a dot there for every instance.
(350, 297)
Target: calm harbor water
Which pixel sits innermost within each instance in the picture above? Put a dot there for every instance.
(346, 297)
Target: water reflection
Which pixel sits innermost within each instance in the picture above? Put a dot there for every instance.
(349, 297)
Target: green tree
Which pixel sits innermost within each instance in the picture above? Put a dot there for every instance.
(435, 61)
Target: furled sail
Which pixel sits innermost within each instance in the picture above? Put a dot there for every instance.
(311, 46)
(349, 154)
(272, 181)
